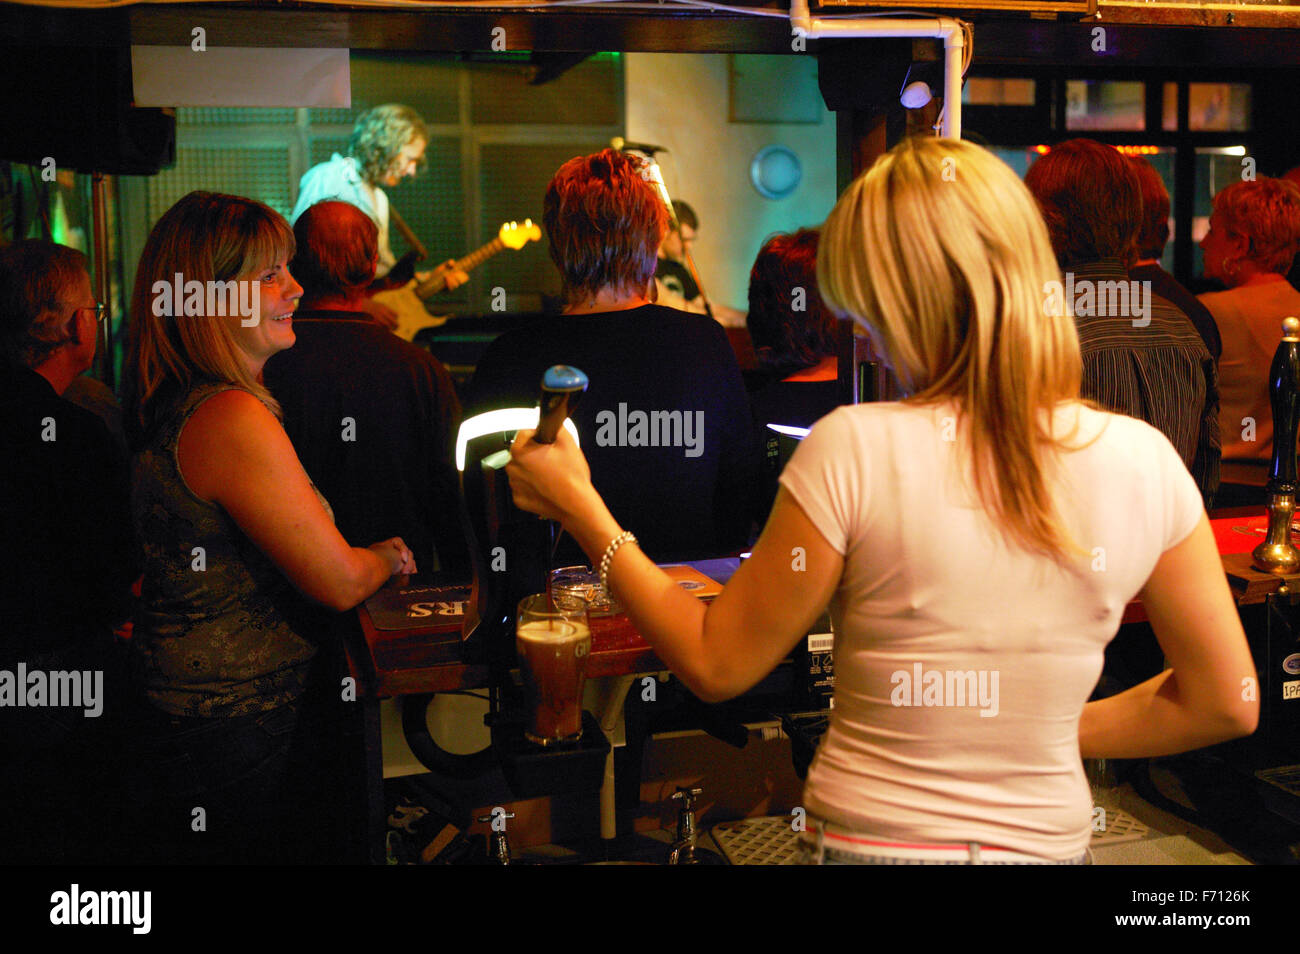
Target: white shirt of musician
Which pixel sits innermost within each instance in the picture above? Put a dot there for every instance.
(341, 179)
(379, 200)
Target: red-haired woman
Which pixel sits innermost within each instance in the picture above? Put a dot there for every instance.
(1253, 238)
(665, 422)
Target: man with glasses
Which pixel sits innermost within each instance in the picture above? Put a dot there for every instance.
(67, 560)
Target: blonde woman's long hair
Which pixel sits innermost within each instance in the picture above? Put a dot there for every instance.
(941, 253)
(205, 237)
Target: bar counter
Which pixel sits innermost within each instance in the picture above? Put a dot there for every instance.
(426, 659)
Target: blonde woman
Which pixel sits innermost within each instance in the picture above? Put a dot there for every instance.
(1253, 238)
(977, 543)
(238, 544)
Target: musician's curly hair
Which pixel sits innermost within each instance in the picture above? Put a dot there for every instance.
(604, 223)
(379, 135)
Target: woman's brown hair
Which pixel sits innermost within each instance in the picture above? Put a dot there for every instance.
(205, 237)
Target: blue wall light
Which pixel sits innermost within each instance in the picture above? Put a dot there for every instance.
(775, 172)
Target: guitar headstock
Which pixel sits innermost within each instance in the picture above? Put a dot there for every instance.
(516, 235)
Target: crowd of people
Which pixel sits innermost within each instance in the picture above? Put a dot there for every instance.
(291, 455)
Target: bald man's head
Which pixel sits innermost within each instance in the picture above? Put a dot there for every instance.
(337, 248)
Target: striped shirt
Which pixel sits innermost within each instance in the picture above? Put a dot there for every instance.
(1160, 372)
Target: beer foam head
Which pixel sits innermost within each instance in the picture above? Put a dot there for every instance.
(559, 630)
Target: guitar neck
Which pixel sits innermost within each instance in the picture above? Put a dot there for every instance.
(436, 283)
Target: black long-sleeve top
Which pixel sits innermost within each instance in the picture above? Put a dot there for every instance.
(67, 551)
(694, 497)
(374, 419)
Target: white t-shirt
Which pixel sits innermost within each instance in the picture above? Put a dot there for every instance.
(931, 592)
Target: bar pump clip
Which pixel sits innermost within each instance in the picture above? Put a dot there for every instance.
(1277, 554)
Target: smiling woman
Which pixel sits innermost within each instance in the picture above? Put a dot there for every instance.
(232, 704)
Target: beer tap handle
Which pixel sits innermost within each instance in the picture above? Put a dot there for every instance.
(1284, 395)
(562, 388)
(1277, 554)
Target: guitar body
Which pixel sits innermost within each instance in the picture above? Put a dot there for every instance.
(408, 300)
(412, 316)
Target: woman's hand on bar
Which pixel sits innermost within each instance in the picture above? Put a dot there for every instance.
(398, 555)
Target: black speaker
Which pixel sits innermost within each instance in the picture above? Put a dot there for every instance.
(864, 75)
(73, 104)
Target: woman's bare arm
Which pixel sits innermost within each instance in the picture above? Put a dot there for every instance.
(718, 650)
(1210, 693)
(234, 453)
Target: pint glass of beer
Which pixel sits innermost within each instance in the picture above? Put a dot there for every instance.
(553, 645)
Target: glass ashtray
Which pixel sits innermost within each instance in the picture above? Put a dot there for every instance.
(578, 587)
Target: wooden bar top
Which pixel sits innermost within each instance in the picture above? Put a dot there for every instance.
(427, 658)
(1237, 531)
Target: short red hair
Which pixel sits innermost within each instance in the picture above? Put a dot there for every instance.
(1091, 200)
(785, 272)
(337, 245)
(1266, 212)
(604, 223)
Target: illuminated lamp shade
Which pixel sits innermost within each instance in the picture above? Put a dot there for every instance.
(775, 172)
(915, 95)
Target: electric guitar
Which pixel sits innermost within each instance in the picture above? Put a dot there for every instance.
(408, 300)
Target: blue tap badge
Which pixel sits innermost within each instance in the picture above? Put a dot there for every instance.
(561, 377)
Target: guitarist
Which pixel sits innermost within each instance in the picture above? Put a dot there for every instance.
(387, 145)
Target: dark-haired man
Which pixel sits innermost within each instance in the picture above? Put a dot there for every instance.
(676, 284)
(373, 418)
(1152, 236)
(1141, 354)
(671, 272)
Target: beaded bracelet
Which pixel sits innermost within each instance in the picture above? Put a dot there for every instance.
(624, 537)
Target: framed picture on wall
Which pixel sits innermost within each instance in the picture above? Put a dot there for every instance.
(767, 88)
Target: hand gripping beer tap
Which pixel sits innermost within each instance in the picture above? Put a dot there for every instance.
(1277, 554)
